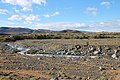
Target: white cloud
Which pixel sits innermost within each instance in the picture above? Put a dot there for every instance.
(16, 10)
(109, 26)
(29, 19)
(40, 2)
(26, 9)
(22, 3)
(56, 13)
(3, 11)
(47, 15)
(92, 11)
(26, 19)
(25, 4)
(105, 3)
(51, 15)
(60, 26)
(15, 17)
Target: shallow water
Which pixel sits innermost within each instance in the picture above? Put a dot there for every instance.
(53, 55)
(23, 51)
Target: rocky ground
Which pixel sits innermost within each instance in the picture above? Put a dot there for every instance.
(21, 67)
(14, 66)
(108, 48)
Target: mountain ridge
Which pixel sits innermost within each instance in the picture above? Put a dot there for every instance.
(19, 30)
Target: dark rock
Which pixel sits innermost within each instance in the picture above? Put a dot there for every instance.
(54, 78)
(77, 47)
(101, 68)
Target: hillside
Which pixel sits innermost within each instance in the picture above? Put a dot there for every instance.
(8, 30)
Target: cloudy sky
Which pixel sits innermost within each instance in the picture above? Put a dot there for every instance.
(87, 15)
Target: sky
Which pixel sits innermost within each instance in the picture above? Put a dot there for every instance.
(85, 15)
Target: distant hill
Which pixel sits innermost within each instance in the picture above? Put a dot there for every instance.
(42, 31)
(70, 31)
(8, 30)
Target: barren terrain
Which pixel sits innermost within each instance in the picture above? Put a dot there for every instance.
(14, 66)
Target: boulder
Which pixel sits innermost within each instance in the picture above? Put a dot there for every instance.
(115, 51)
(77, 47)
(101, 68)
(91, 49)
(114, 56)
(54, 78)
(113, 68)
(96, 52)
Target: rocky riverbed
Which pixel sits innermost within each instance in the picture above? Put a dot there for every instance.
(65, 50)
(59, 60)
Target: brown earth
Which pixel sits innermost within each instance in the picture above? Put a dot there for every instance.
(62, 68)
(22, 67)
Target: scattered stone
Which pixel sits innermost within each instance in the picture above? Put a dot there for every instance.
(96, 52)
(88, 78)
(54, 78)
(113, 68)
(93, 57)
(101, 68)
(53, 68)
(91, 49)
(17, 68)
(115, 51)
(114, 56)
(76, 50)
(107, 48)
(77, 47)
(39, 58)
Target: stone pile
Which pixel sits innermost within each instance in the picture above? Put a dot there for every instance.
(76, 50)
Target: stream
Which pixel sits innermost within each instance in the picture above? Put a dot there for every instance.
(21, 50)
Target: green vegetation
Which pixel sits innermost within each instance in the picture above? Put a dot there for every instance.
(31, 51)
(99, 35)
